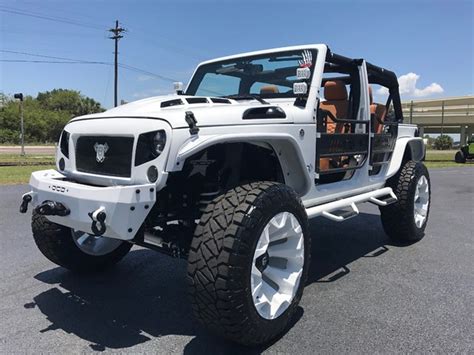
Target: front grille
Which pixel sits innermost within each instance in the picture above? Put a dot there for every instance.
(116, 161)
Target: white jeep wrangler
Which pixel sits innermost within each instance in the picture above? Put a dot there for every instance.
(226, 175)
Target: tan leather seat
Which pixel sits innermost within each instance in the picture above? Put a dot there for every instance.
(336, 102)
(269, 89)
(379, 111)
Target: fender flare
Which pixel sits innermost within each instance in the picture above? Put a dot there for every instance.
(285, 146)
(414, 145)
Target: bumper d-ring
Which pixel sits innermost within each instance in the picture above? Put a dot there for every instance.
(98, 221)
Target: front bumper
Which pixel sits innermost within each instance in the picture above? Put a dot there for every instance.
(126, 207)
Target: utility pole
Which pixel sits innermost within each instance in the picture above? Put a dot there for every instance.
(19, 96)
(117, 35)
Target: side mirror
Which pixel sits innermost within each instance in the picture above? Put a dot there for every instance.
(178, 87)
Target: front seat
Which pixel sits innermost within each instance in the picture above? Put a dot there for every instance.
(335, 94)
(269, 89)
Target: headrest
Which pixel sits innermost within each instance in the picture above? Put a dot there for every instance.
(371, 97)
(269, 89)
(335, 90)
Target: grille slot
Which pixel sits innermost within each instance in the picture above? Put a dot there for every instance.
(118, 157)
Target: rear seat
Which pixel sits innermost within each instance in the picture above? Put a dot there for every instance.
(379, 111)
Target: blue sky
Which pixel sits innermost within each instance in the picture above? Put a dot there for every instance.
(429, 44)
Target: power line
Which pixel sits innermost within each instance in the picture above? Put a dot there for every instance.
(50, 61)
(51, 57)
(48, 17)
(65, 60)
(138, 70)
(70, 21)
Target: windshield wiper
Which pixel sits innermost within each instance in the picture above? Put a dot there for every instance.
(248, 97)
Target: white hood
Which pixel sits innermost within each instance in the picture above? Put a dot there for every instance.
(206, 114)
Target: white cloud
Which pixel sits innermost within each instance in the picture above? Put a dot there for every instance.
(407, 85)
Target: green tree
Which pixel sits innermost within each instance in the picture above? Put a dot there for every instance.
(45, 116)
(68, 100)
(443, 142)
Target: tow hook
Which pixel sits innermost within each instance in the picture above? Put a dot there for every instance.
(26, 199)
(98, 221)
(52, 208)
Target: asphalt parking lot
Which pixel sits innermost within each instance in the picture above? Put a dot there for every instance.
(364, 294)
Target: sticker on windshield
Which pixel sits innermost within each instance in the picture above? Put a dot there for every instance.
(307, 60)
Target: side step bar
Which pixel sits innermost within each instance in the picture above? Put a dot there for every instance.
(331, 210)
(342, 215)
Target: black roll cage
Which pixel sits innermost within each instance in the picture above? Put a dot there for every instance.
(376, 75)
(340, 145)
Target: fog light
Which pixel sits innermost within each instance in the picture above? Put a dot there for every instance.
(152, 173)
(62, 164)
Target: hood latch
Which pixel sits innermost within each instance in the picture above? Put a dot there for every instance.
(192, 123)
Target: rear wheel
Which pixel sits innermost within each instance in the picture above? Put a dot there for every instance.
(405, 220)
(460, 157)
(76, 250)
(249, 261)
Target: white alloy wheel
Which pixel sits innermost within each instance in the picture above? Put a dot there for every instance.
(93, 245)
(277, 265)
(422, 200)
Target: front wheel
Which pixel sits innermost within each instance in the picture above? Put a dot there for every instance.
(76, 250)
(405, 220)
(248, 262)
(460, 158)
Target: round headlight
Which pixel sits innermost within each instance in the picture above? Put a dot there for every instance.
(159, 141)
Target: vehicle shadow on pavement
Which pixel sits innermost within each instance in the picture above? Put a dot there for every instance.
(144, 297)
(335, 245)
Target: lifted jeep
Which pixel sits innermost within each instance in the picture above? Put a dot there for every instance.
(226, 175)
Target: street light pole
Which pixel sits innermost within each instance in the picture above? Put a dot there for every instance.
(19, 96)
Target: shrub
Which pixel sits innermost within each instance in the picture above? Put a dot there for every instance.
(443, 142)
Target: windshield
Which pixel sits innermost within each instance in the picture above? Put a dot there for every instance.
(268, 75)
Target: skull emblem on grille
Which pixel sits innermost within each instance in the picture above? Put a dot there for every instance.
(100, 150)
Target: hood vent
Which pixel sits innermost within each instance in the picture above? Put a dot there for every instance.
(197, 100)
(265, 112)
(220, 101)
(170, 103)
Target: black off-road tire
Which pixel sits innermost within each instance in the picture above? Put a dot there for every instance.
(398, 219)
(221, 257)
(460, 158)
(56, 243)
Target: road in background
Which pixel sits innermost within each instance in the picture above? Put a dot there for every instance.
(29, 149)
(364, 294)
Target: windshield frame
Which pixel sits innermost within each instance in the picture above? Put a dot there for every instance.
(203, 68)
